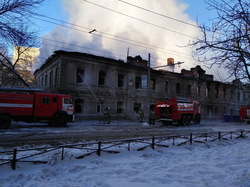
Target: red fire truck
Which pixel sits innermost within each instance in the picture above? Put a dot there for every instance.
(181, 110)
(32, 105)
(245, 114)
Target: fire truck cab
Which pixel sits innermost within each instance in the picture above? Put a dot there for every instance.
(181, 110)
(32, 105)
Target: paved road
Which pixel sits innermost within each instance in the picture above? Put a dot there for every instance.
(82, 131)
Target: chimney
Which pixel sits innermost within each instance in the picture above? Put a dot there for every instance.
(170, 61)
(171, 64)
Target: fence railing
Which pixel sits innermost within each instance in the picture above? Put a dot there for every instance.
(85, 149)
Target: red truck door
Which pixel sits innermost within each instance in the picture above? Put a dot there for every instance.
(45, 104)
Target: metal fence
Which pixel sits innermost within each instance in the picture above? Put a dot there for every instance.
(85, 149)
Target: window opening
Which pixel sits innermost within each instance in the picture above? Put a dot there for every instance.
(102, 77)
(120, 107)
(120, 80)
(137, 82)
(45, 100)
(79, 75)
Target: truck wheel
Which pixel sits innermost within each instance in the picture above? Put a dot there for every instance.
(5, 122)
(58, 121)
(63, 120)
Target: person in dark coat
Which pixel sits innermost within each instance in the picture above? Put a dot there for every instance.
(152, 117)
(141, 113)
(106, 114)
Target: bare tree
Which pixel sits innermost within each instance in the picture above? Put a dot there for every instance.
(227, 42)
(14, 30)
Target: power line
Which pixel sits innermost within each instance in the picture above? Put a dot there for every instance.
(174, 19)
(109, 36)
(141, 20)
(101, 51)
(187, 23)
(67, 44)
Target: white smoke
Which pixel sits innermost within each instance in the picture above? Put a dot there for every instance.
(163, 42)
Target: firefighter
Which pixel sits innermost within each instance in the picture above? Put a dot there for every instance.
(106, 116)
(141, 113)
(152, 117)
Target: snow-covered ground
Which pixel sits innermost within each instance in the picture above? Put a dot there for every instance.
(223, 163)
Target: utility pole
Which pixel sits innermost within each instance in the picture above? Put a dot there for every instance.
(148, 88)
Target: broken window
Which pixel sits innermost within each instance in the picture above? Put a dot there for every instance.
(231, 95)
(102, 78)
(79, 75)
(120, 108)
(56, 75)
(137, 107)
(216, 91)
(137, 82)
(51, 78)
(225, 93)
(166, 86)
(178, 88)
(45, 79)
(189, 92)
(153, 84)
(208, 91)
(199, 91)
(120, 80)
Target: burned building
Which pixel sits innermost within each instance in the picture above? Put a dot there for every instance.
(98, 82)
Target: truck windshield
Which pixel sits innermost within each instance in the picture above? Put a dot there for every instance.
(67, 100)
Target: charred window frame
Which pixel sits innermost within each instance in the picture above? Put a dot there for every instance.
(45, 79)
(153, 84)
(102, 78)
(56, 75)
(79, 75)
(137, 107)
(98, 109)
(120, 80)
(232, 95)
(217, 91)
(189, 90)
(138, 82)
(244, 97)
(239, 96)
(166, 86)
(225, 93)
(120, 107)
(41, 80)
(208, 89)
(99, 106)
(178, 88)
(51, 78)
(199, 91)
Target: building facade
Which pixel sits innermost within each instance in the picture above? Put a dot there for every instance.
(23, 60)
(97, 82)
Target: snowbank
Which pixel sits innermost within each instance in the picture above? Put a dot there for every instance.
(220, 163)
